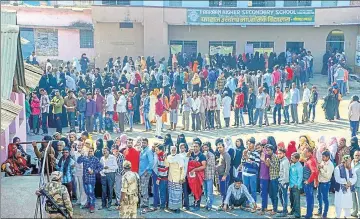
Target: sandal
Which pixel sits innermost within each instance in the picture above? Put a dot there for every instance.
(272, 213)
(261, 213)
(147, 210)
(252, 210)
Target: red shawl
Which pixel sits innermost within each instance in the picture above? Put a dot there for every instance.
(196, 182)
(12, 148)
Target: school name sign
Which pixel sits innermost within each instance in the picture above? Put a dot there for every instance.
(297, 16)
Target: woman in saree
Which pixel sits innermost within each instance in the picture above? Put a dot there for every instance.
(15, 165)
(305, 142)
(166, 105)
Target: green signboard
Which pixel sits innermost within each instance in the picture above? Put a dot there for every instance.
(211, 16)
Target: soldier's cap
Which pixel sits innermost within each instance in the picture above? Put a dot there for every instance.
(126, 164)
(56, 176)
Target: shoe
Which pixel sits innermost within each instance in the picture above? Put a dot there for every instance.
(101, 208)
(281, 215)
(85, 206)
(195, 209)
(92, 210)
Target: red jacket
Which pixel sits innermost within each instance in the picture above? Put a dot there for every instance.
(159, 108)
(239, 101)
(133, 156)
(311, 165)
(290, 73)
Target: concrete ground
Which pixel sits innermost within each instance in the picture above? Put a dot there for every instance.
(286, 133)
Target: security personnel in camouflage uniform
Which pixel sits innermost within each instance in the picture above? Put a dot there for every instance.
(129, 192)
(60, 194)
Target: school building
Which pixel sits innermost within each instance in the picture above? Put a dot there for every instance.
(158, 30)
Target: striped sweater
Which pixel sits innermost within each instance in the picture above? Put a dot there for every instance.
(162, 169)
(251, 166)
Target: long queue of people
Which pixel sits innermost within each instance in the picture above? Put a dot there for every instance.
(107, 101)
(173, 171)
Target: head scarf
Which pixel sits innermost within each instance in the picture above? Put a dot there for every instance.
(175, 158)
(322, 139)
(291, 148)
(107, 136)
(123, 139)
(271, 141)
(229, 144)
(181, 139)
(333, 146)
(354, 146)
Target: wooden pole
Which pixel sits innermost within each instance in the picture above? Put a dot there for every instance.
(30, 142)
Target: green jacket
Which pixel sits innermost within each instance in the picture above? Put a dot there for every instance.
(60, 195)
(27, 109)
(57, 104)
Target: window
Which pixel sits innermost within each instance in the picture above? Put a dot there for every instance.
(295, 46)
(225, 3)
(335, 41)
(262, 47)
(188, 47)
(174, 3)
(86, 39)
(262, 3)
(116, 2)
(84, 3)
(126, 25)
(262, 44)
(297, 3)
(5, 2)
(222, 47)
(328, 3)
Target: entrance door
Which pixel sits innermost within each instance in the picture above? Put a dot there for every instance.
(294, 46)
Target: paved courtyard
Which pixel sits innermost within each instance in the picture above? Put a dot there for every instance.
(286, 133)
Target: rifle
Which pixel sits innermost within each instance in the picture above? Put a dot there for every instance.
(139, 194)
(53, 202)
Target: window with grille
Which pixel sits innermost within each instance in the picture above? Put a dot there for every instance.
(86, 39)
(116, 2)
(262, 3)
(84, 2)
(328, 3)
(188, 47)
(261, 44)
(126, 25)
(225, 3)
(223, 44)
(297, 3)
(175, 3)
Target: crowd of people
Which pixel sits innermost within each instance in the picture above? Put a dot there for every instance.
(205, 89)
(172, 171)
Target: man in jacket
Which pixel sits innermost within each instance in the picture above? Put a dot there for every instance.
(70, 106)
(81, 109)
(283, 180)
